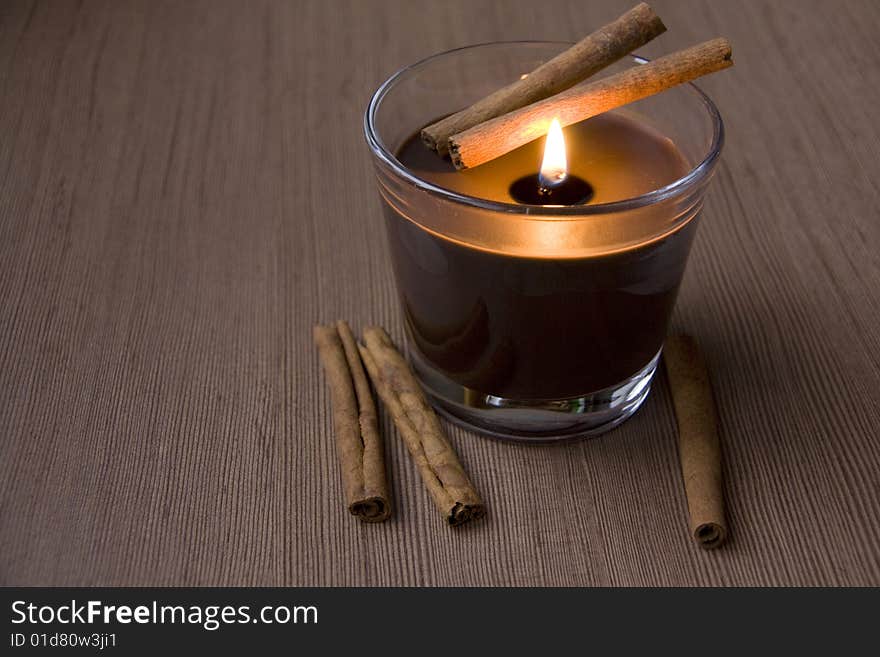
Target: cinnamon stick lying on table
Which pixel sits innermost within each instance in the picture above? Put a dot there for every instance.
(589, 55)
(358, 443)
(501, 135)
(443, 474)
(698, 445)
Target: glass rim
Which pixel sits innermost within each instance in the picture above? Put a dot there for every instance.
(691, 178)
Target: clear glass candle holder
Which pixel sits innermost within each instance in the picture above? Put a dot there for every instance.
(524, 322)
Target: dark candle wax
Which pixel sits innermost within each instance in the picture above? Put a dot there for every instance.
(542, 328)
(531, 190)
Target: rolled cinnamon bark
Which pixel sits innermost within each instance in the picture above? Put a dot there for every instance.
(495, 137)
(442, 472)
(593, 53)
(358, 443)
(698, 445)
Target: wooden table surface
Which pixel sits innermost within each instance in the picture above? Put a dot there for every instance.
(185, 191)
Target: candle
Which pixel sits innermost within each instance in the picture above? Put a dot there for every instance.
(520, 325)
(537, 285)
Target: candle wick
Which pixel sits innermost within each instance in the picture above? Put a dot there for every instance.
(547, 183)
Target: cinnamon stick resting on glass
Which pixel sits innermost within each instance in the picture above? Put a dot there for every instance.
(698, 445)
(449, 486)
(593, 53)
(501, 135)
(358, 443)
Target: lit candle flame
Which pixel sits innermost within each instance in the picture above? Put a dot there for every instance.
(554, 168)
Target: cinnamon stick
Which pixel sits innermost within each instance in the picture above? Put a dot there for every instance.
(698, 445)
(501, 135)
(442, 472)
(358, 443)
(593, 53)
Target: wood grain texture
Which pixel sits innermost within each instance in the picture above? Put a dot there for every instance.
(172, 223)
